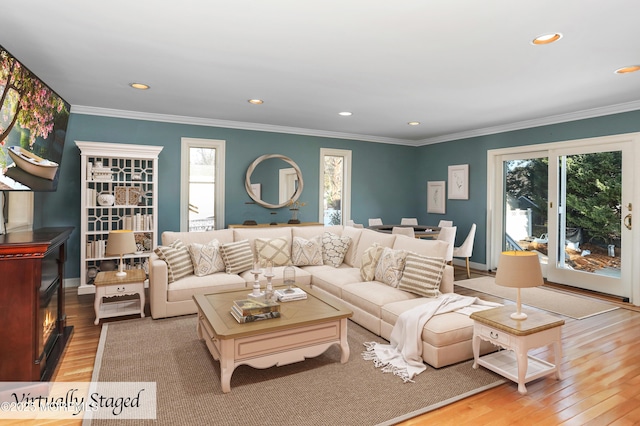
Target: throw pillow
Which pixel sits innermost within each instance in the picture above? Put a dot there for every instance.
(306, 252)
(422, 275)
(274, 250)
(178, 260)
(237, 256)
(334, 248)
(390, 266)
(370, 259)
(206, 258)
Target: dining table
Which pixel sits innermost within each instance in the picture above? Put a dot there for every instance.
(420, 231)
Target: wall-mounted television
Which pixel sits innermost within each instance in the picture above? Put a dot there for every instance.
(33, 126)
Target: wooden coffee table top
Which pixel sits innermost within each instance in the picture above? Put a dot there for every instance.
(316, 308)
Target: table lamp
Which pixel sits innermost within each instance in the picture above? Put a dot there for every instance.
(519, 269)
(119, 243)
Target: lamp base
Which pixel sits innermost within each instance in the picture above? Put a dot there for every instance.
(518, 316)
(121, 274)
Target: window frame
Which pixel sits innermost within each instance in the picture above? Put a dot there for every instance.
(345, 203)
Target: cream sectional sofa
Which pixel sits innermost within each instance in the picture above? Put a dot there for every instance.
(375, 305)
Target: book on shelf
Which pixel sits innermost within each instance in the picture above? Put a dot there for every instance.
(290, 294)
(252, 306)
(252, 318)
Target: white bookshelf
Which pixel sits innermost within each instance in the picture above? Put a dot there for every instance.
(130, 174)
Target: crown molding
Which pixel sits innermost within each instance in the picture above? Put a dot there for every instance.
(538, 122)
(195, 121)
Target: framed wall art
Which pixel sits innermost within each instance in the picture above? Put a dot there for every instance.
(435, 197)
(459, 182)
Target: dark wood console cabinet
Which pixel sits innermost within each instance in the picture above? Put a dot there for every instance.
(33, 332)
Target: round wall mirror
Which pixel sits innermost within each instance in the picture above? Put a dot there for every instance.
(277, 181)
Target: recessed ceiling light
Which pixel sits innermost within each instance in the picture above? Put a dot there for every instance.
(626, 70)
(345, 113)
(139, 86)
(256, 101)
(546, 38)
(413, 123)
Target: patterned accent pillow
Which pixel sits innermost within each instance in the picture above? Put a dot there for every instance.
(390, 266)
(306, 252)
(334, 248)
(206, 258)
(237, 256)
(370, 259)
(275, 250)
(422, 275)
(178, 260)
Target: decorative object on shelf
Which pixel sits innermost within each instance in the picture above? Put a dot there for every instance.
(269, 294)
(289, 278)
(273, 221)
(519, 269)
(294, 206)
(256, 271)
(101, 173)
(119, 243)
(249, 222)
(106, 199)
(127, 195)
(107, 265)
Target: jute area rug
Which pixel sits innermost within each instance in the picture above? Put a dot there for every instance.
(317, 391)
(549, 300)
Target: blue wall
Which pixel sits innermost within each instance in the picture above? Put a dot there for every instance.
(435, 159)
(388, 181)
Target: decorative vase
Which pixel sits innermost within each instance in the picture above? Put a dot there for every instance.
(294, 216)
(106, 199)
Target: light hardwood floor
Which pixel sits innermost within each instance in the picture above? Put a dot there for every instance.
(600, 367)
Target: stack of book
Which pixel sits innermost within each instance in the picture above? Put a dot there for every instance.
(249, 310)
(290, 294)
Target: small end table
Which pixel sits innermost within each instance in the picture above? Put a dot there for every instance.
(539, 329)
(109, 285)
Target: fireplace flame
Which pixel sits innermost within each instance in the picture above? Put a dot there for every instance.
(48, 325)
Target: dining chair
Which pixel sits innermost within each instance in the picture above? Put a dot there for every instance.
(445, 223)
(466, 249)
(448, 234)
(403, 230)
(408, 221)
(350, 223)
(375, 221)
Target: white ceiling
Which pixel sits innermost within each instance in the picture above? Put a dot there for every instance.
(459, 67)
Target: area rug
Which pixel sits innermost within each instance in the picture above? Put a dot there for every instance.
(316, 391)
(549, 300)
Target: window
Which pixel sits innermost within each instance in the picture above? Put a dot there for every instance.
(202, 184)
(335, 186)
(16, 211)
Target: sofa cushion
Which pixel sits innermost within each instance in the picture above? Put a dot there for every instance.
(422, 275)
(185, 288)
(237, 256)
(423, 247)
(222, 235)
(274, 250)
(371, 296)
(331, 279)
(178, 260)
(334, 247)
(206, 258)
(369, 262)
(354, 234)
(367, 238)
(306, 252)
(390, 266)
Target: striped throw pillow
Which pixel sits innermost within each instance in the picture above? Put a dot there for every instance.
(422, 275)
(178, 260)
(237, 256)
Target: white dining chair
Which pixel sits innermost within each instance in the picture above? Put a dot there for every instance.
(375, 221)
(408, 221)
(448, 234)
(403, 230)
(466, 249)
(445, 223)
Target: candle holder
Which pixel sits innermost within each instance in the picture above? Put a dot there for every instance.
(256, 271)
(269, 294)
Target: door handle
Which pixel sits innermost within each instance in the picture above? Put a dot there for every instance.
(627, 221)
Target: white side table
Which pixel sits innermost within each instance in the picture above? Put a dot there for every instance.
(517, 336)
(109, 285)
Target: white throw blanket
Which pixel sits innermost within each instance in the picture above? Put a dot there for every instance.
(403, 356)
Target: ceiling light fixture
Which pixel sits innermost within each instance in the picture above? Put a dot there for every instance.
(256, 101)
(413, 123)
(139, 86)
(345, 113)
(546, 38)
(627, 70)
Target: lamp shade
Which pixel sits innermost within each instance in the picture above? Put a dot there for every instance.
(120, 242)
(519, 269)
